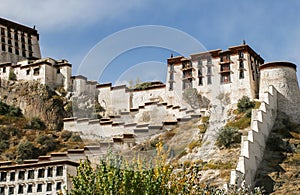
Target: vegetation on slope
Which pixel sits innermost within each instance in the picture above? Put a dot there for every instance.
(21, 139)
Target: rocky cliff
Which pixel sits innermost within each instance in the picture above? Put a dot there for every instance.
(35, 100)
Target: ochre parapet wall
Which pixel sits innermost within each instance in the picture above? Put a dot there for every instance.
(253, 145)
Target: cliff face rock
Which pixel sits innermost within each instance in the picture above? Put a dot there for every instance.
(35, 100)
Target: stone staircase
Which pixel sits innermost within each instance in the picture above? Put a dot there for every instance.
(147, 120)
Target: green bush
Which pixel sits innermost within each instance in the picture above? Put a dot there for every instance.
(10, 110)
(75, 138)
(12, 76)
(26, 150)
(228, 137)
(244, 104)
(66, 135)
(47, 142)
(37, 123)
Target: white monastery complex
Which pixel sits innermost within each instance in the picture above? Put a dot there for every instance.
(133, 114)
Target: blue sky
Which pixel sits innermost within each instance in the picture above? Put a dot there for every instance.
(69, 29)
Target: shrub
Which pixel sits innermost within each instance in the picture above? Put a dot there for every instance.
(228, 136)
(65, 135)
(12, 76)
(75, 138)
(244, 104)
(26, 150)
(37, 123)
(48, 143)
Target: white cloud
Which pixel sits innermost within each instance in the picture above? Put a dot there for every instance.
(56, 15)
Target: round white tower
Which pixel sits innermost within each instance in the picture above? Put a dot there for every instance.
(282, 75)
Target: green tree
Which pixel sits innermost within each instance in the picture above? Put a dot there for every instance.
(244, 104)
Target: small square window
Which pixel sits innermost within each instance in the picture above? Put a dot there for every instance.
(36, 71)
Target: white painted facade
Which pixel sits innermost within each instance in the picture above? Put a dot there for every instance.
(37, 177)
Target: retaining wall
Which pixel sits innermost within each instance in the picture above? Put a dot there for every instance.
(253, 145)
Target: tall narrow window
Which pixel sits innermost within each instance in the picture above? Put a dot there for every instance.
(200, 81)
(59, 171)
(171, 86)
(2, 31)
(209, 80)
(209, 60)
(39, 187)
(12, 176)
(30, 174)
(241, 64)
(209, 70)
(241, 74)
(200, 63)
(58, 186)
(241, 54)
(11, 190)
(41, 173)
(21, 175)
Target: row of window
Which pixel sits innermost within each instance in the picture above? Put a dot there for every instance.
(16, 36)
(31, 175)
(21, 188)
(16, 51)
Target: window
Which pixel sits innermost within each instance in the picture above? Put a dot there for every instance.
(22, 38)
(17, 51)
(31, 174)
(27, 71)
(3, 48)
(225, 78)
(50, 172)
(21, 175)
(171, 86)
(241, 74)
(2, 39)
(3, 176)
(199, 73)
(16, 36)
(58, 70)
(9, 42)
(209, 70)
(23, 53)
(29, 188)
(171, 67)
(39, 187)
(209, 80)
(200, 62)
(58, 186)
(171, 77)
(241, 64)
(41, 173)
(3, 31)
(30, 48)
(59, 171)
(200, 81)
(36, 71)
(12, 176)
(23, 46)
(49, 186)
(2, 189)
(11, 190)
(4, 69)
(241, 54)
(29, 40)
(10, 49)
(20, 189)
(209, 60)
